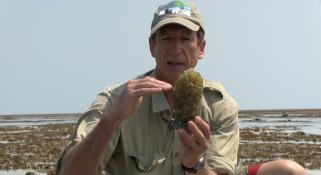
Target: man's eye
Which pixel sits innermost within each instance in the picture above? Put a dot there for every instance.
(165, 38)
(186, 38)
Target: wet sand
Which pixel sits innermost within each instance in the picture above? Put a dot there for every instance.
(281, 134)
(32, 143)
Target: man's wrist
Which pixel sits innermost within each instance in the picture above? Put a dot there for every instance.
(196, 167)
(190, 164)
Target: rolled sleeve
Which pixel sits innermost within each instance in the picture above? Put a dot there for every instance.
(84, 125)
(222, 152)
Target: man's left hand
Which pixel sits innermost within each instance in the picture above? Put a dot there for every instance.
(195, 139)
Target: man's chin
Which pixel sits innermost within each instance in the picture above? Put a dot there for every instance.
(177, 69)
(170, 76)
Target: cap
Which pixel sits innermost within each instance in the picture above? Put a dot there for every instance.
(177, 12)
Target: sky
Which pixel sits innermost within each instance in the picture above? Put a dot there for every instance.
(56, 56)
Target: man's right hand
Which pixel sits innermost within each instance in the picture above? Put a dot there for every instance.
(133, 93)
(84, 157)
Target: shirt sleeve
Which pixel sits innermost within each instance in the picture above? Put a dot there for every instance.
(222, 153)
(85, 125)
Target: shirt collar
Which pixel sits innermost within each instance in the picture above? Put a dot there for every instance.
(159, 101)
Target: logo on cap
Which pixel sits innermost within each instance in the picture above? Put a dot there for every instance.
(179, 8)
(177, 12)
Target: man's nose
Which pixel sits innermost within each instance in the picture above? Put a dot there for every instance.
(177, 46)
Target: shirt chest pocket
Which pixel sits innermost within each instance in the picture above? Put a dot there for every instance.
(148, 162)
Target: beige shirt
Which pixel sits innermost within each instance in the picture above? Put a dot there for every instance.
(144, 145)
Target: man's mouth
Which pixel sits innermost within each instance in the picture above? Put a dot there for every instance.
(175, 64)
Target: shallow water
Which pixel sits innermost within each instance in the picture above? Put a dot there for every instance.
(18, 172)
(308, 125)
(290, 124)
(34, 120)
(281, 142)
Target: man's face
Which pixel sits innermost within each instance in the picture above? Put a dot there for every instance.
(175, 49)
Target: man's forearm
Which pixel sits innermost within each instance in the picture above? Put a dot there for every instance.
(85, 156)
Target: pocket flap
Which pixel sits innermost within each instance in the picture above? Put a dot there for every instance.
(148, 162)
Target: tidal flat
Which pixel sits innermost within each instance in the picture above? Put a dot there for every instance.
(32, 143)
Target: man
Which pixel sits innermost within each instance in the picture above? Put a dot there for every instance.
(125, 131)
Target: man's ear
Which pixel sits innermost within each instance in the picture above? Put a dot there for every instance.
(202, 49)
(152, 46)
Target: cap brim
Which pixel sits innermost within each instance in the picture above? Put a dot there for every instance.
(175, 20)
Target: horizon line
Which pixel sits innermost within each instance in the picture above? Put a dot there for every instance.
(240, 111)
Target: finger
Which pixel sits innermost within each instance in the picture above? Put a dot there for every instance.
(154, 80)
(197, 133)
(157, 81)
(188, 141)
(149, 82)
(203, 126)
(146, 91)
